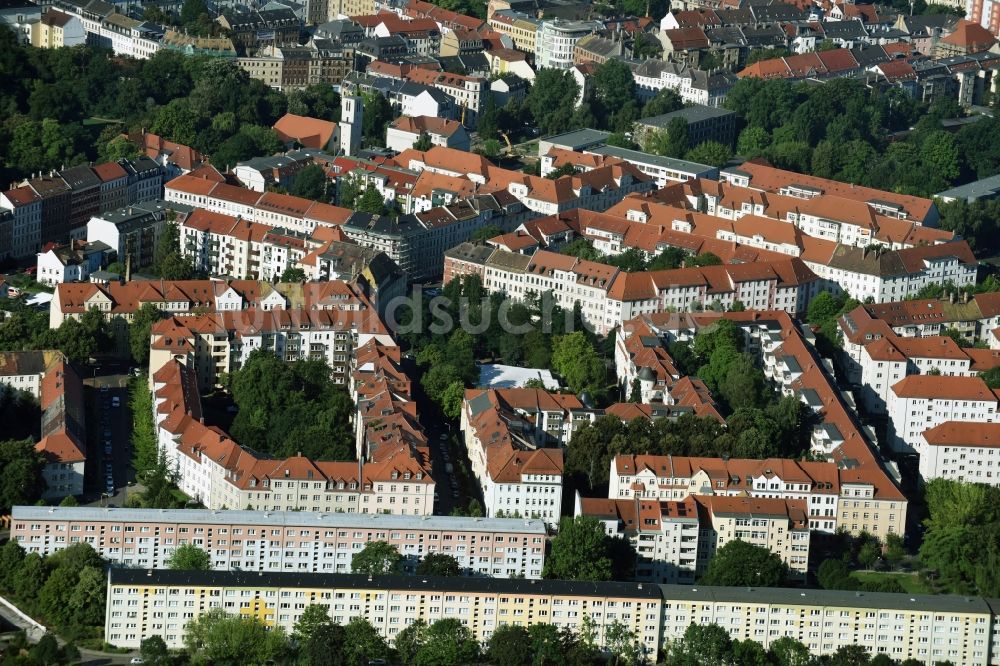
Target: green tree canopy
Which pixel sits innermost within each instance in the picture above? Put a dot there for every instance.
(579, 551)
(216, 637)
(310, 183)
(189, 557)
(439, 564)
(377, 558)
(742, 564)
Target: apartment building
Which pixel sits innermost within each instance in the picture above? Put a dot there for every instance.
(294, 67)
(221, 244)
(905, 626)
(867, 495)
(918, 403)
(56, 29)
(676, 540)
(509, 435)
(25, 225)
(887, 359)
(766, 178)
(695, 86)
(557, 40)
(70, 263)
(220, 473)
(520, 27)
(964, 451)
(482, 604)
(270, 208)
(608, 297)
(321, 321)
(704, 123)
(132, 232)
(663, 170)
(49, 378)
(282, 541)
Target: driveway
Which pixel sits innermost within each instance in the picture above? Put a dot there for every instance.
(101, 391)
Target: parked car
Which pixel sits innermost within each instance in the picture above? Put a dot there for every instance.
(104, 389)
(116, 402)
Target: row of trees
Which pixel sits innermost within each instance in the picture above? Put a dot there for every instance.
(26, 328)
(289, 408)
(216, 637)
(66, 589)
(634, 260)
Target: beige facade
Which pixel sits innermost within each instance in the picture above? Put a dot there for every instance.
(139, 604)
(929, 629)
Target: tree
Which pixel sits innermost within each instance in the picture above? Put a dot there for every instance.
(310, 183)
(622, 644)
(168, 261)
(21, 480)
(377, 558)
(712, 153)
(575, 359)
(753, 142)
(423, 142)
(665, 101)
(409, 641)
(314, 618)
(704, 259)
(702, 645)
(371, 202)
(154, 651)
(216, 637)
(325, 646)
(894, 551)
(119, 148)
(742, 564)
(614, 88)
(377, 116)
(86, 602)
(447, 642)
(485, 233)
(507, 646)
(293, 274)
(579, 551)
(11, 558)
(188, 557)
(139, 331)
(787, 651)
(868, 554)
(672, 141)
(552, 99)
(439, 564)
(567, 169)
(363, 643)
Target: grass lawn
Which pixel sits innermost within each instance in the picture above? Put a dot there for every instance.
(910, 581)
(99, 121)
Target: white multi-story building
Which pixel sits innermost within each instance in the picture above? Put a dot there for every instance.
(298, 541)
(389, 603)
(69, 263)
(506, 433)
(676, 540)
(26, 225)
(695, 86)
(556, 42)
(918, 403)
(964, 451)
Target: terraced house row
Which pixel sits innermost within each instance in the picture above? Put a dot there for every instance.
(963, 630)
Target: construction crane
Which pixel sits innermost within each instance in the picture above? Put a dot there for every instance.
(510, 148)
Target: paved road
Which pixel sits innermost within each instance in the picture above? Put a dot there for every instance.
(88, 657)
(101, 391)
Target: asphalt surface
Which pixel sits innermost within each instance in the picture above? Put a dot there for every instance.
(100, 393)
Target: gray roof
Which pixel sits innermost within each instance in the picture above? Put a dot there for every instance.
(470, 252)
(831, 598)
(472, 584)
(582, 138)
(285, 518)
(844, 30)
(658, 160)
(80, 177)
(693, 114)
(987, 188)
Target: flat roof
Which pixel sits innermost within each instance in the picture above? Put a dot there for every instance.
(692, 114)
(986, 188)
(288, 518)
(659, 160)
(577, 138)
(496, 376)
(482, 584)
(947, 603)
